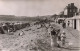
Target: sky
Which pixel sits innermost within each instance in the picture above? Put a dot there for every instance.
(34, 7)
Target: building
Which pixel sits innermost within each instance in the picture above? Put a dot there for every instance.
(70, 10)
(71, 16)
(73, 22)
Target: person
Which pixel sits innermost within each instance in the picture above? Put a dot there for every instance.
(21, 33)
(68, 23)
(63, 38)
(54, 37)
(53, 32)
(2, 29)
(58, 38)
(49, 29)
(64, 25)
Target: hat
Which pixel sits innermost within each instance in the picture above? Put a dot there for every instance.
(64, 32)
(50, 26)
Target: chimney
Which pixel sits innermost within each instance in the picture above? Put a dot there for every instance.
(79, 11)
(72, 4)
(68, 4)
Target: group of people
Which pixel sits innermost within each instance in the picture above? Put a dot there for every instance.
(57, 38)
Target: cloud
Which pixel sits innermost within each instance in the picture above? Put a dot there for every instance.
(34, 7)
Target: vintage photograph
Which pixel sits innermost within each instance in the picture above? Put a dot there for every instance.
(39, 25)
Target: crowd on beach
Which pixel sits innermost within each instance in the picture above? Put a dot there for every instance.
(57, 38)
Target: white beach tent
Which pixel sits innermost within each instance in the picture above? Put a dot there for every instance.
(74, 22)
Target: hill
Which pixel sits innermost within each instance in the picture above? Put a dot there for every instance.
(22, 18)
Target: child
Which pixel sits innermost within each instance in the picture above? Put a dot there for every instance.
(63, 37)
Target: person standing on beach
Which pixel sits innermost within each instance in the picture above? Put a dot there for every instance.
(63, 38)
